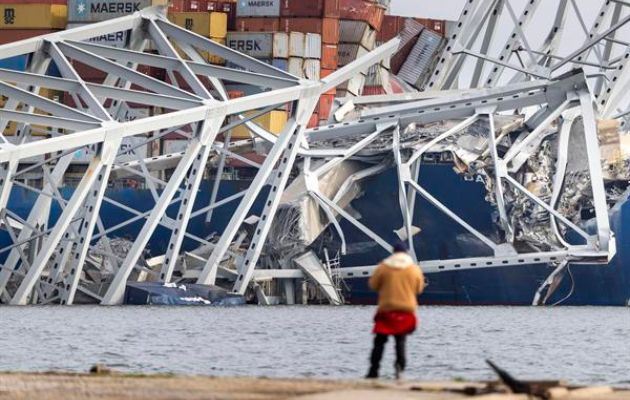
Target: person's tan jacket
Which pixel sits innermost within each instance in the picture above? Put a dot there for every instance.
(398, 281)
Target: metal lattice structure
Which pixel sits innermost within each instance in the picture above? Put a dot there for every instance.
(49, 254)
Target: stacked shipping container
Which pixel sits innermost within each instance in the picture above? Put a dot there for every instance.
(24, 19)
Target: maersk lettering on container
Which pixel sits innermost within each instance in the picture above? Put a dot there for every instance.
(114, 39)
(257, 45)
(258, 8)
(101, 10)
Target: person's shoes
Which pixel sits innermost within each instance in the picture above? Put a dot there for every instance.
(371, 375)
(398, 373)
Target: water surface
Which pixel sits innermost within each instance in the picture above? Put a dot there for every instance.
(585, 345)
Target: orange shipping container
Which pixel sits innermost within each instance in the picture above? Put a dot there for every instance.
(325, 106)
(330, 56)
(328, 28)
(324, 73)
(314, 121)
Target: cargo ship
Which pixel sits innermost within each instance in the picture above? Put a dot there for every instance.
(311, 40)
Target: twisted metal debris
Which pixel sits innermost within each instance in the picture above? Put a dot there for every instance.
(513, 121)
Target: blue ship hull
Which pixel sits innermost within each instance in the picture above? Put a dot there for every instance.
(440, 238)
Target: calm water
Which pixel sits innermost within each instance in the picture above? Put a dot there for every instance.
(586, 345)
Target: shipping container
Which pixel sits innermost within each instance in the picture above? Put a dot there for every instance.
(362, 10)
(281, 63)
(258, 8)
(324, 72)
(64, 2)
(312, 68)
(14, 35)
(273, 121)
(310, 8)
(329, 56)
(421, 59)
(408, 37)
(313, 122)
(354, 86)
(257, 24)
(325, 106)
(213, 58)
(102, 10)
(351, 31)
(33, 16)
(349, 52)
(116, 39)
(390, 28)
(17, 63)
(296, 66)
(313, 46)
(296, 44)
(130, 149)
(435, 25)
(281, 45)
(170, 146)
(209, 24)
(328, 28)
(254, 44)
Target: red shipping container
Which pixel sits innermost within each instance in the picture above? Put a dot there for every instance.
(325, 106)
(362, 10)
(330, 57)
(227, 7)
(13, 35)
(435, 25)
(257, 24)
(372, 90)
(187, 5)
(310, 8)
(390, 28)
(328, 28)
(324, 73)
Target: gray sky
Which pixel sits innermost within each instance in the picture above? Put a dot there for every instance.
(427, 8)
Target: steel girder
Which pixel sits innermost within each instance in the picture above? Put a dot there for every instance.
(539, 40)
(45, 263)
(48, 257)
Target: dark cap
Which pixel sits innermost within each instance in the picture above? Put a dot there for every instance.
(400, 247)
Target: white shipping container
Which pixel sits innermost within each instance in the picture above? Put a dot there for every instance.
(369, 39)
(312, 68)
(280, 45)
(254, 44)
(296, 44)
(296, 66)
(116, 39)
(136, 147)
(170, 146)
(313, 46)
(354, 86)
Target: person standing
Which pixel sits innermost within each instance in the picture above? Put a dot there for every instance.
(398, 281)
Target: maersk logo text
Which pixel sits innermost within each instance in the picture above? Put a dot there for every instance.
(258, 3)
(115, 7)
(245, 45)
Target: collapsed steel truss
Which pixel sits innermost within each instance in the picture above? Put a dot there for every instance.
(45, 262)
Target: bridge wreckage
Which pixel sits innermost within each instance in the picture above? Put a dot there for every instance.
(530, 123)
